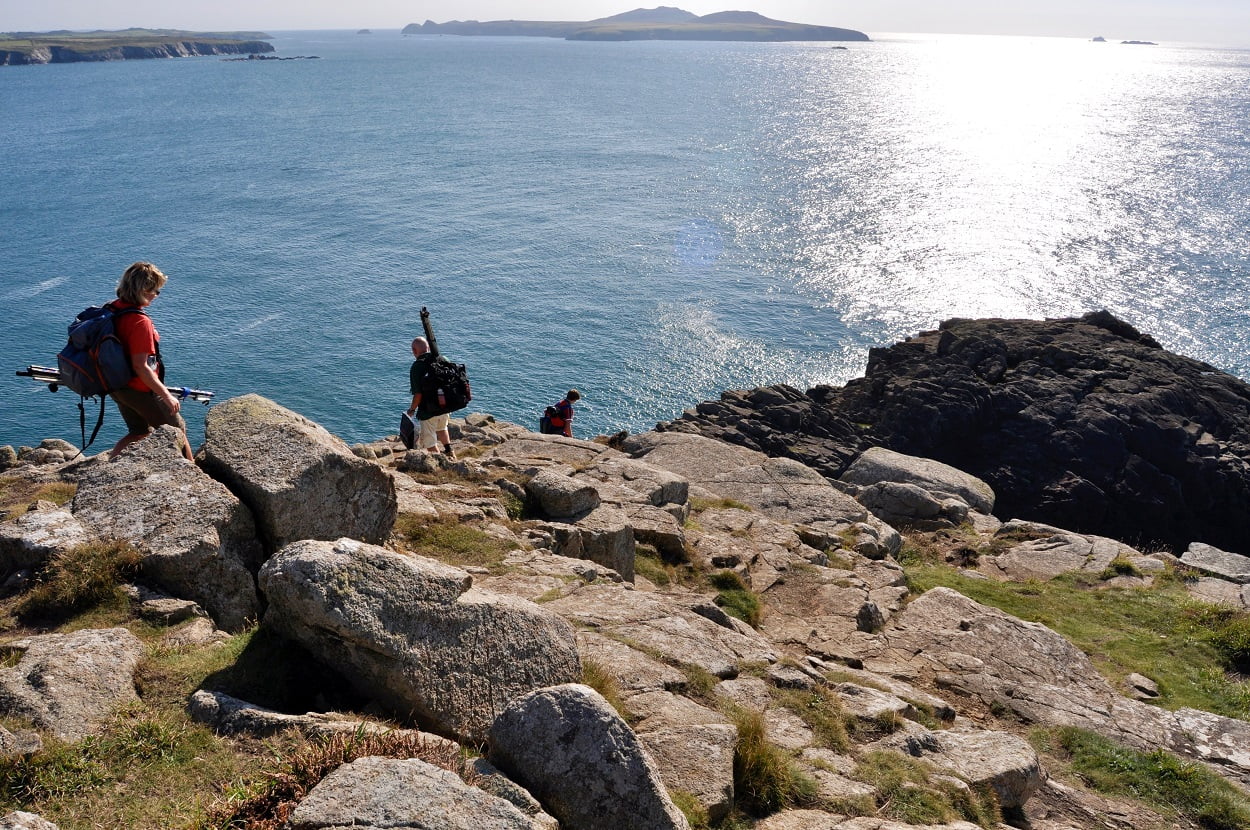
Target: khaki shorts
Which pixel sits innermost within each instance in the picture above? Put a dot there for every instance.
(142, 411)
(429, 428)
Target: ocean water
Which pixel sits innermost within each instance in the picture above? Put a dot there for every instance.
(651, 223)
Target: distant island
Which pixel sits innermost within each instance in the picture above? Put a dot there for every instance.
(21, 48)
(663, 23)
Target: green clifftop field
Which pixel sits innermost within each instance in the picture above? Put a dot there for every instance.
(17, 48)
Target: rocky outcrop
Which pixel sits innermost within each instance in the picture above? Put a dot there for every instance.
(198, 541)
(384, 793)
(569, 748)
(69, 684)
(1029, 670)
(999, 760)
(413, 634)
(37, 535)
(83, 52)
(1083, 423)
(300, 481)
(1220, 564)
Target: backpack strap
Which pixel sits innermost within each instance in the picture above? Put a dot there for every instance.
(82, 422)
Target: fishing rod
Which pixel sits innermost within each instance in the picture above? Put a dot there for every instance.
(52, 376)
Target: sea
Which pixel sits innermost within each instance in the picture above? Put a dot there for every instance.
(650, 223)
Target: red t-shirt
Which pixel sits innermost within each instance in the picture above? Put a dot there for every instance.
(138, 335)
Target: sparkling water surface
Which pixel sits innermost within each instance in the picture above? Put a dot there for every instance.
(649, 222)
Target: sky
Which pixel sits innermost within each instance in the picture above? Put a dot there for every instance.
(1223, 22)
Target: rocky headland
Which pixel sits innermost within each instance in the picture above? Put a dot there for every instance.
(25, 48)
(663, 23)
(1083, 423)
(662, 630)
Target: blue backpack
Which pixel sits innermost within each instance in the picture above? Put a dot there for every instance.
(94, 361)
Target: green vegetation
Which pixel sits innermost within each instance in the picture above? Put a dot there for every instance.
(698, 505)
(766, 778)
(100, 41)
(1184, 646)
(18, 494)
(1119, 566)
(821, 710)
(736, 598)
(1170, 785)
(450, 541)
(159, 759)
(598, 677)
(907, 793)
(653, 566)
(695, 813)
(79, 578)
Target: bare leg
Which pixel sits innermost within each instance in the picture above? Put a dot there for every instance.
(444, 437)
(126, 441)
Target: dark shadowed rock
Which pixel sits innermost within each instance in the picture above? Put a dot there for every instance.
(198, 541)
(1083, 423)
(569, 748)
(300, 481)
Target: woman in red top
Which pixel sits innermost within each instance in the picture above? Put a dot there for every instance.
(144, 403)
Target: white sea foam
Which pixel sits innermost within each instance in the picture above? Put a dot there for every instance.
(25, 292)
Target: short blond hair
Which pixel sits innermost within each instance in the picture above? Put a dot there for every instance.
(139, 279)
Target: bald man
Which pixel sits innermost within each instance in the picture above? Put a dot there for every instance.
(433, 427)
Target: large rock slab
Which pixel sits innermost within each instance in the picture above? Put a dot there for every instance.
(877, 464)
(569, 748)
(198, 541)
(1053, 551)
(387, 793)
(37, 535)
(300, 481)
(414, 634)
(70, 684)
(662, 627)
(1000, 760)
(1083, 422)
(1210, 560)
(778, 487)
(693, 747)
(602, 535)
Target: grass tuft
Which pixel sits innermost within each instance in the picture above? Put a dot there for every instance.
(821, 710)
(766, 778)
(450, 541)
(907, 793)
(736, 598)
(1120, 566)
(79, 578)
(267, 804)
(598, 677)
(17, 494)
(695, 813)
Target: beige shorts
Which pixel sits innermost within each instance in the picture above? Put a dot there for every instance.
(429, 428)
